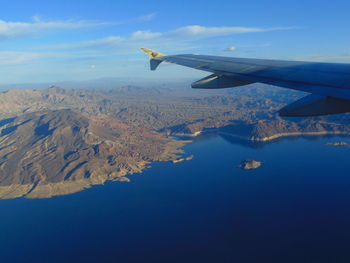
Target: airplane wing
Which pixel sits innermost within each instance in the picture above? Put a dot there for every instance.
(328, 83)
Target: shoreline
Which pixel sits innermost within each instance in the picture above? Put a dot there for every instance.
(281, 135)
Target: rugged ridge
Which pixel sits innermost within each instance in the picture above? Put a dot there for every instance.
(58, 141)
(53, 152)
(268, 130)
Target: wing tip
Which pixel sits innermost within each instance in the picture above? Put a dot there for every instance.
(151, 53)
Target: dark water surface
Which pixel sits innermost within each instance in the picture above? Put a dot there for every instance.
(295, 208)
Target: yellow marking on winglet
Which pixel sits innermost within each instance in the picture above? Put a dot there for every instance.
(152, 54)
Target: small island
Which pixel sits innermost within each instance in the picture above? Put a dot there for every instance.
(249, 164)
(337, 144)
(183, 159)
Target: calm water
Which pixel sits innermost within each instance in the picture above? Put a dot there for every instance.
(295, 208)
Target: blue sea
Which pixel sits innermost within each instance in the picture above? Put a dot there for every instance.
(294, 208)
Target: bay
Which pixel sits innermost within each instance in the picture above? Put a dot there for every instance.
(294, 208)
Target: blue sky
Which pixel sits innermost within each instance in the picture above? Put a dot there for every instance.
(52, 41)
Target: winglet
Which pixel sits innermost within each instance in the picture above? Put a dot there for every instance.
(152, 54)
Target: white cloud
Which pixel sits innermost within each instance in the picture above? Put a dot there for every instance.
(15, 58)
(178, 38)
(232, 48)
(103, 43)
(11, 30)
(205, 32)
(145, 34)
(200, 32)
(147, 17)
(37, 25)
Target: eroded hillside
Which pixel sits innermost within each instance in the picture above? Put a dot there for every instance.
(62, 151)
(58, 141)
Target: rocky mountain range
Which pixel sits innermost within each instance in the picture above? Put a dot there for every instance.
(58, 141)
(55, 152)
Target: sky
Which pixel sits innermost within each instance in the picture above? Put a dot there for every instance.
(54, 41)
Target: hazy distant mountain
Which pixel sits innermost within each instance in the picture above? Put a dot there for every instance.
(102, 83)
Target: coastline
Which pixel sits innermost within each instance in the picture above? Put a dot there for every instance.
(173, 152)
(281, 135)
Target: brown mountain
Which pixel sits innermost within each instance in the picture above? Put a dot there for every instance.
(266, 130)
(58, 152)
(58, 141)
